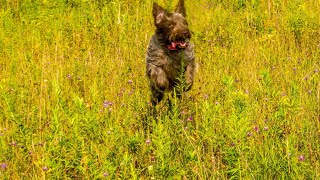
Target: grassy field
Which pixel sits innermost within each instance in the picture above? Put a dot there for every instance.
(74, 94)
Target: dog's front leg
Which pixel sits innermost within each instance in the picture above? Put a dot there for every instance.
(159, 83)
(158, 78)
(189, 75)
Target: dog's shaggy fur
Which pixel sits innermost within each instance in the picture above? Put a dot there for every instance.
(170, 52)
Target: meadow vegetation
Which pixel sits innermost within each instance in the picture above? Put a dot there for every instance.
(74, 94)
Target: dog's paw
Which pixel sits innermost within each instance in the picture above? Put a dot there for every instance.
(162, 82)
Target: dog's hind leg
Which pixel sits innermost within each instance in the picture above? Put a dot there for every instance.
(157, 95)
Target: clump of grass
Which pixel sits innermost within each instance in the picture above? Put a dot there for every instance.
(73, 92)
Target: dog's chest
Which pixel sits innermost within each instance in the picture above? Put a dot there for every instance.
(175, 61)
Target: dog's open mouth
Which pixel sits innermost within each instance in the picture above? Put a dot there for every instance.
(177, 44)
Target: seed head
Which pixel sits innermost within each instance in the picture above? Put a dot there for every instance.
(183, 112)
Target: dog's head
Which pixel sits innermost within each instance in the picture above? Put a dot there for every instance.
(172, 28)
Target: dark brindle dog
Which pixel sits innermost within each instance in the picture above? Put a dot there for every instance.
(170, 52)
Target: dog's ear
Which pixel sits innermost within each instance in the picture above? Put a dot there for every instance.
(158, 13)
(180, 8)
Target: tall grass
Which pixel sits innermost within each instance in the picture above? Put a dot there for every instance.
(74, 95)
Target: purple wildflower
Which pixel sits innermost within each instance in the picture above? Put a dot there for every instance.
(105, 174)
(45, 168)
(301, 158)
(130, 81)
(148, 141)
(107, 103)
(190, 119)
(4, 166)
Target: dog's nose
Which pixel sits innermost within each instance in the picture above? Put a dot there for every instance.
(185, 33)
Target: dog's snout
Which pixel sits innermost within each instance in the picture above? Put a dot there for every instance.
(185, 34)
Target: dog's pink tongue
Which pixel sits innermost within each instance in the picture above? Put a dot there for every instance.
(173, 46)
(176, 44)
